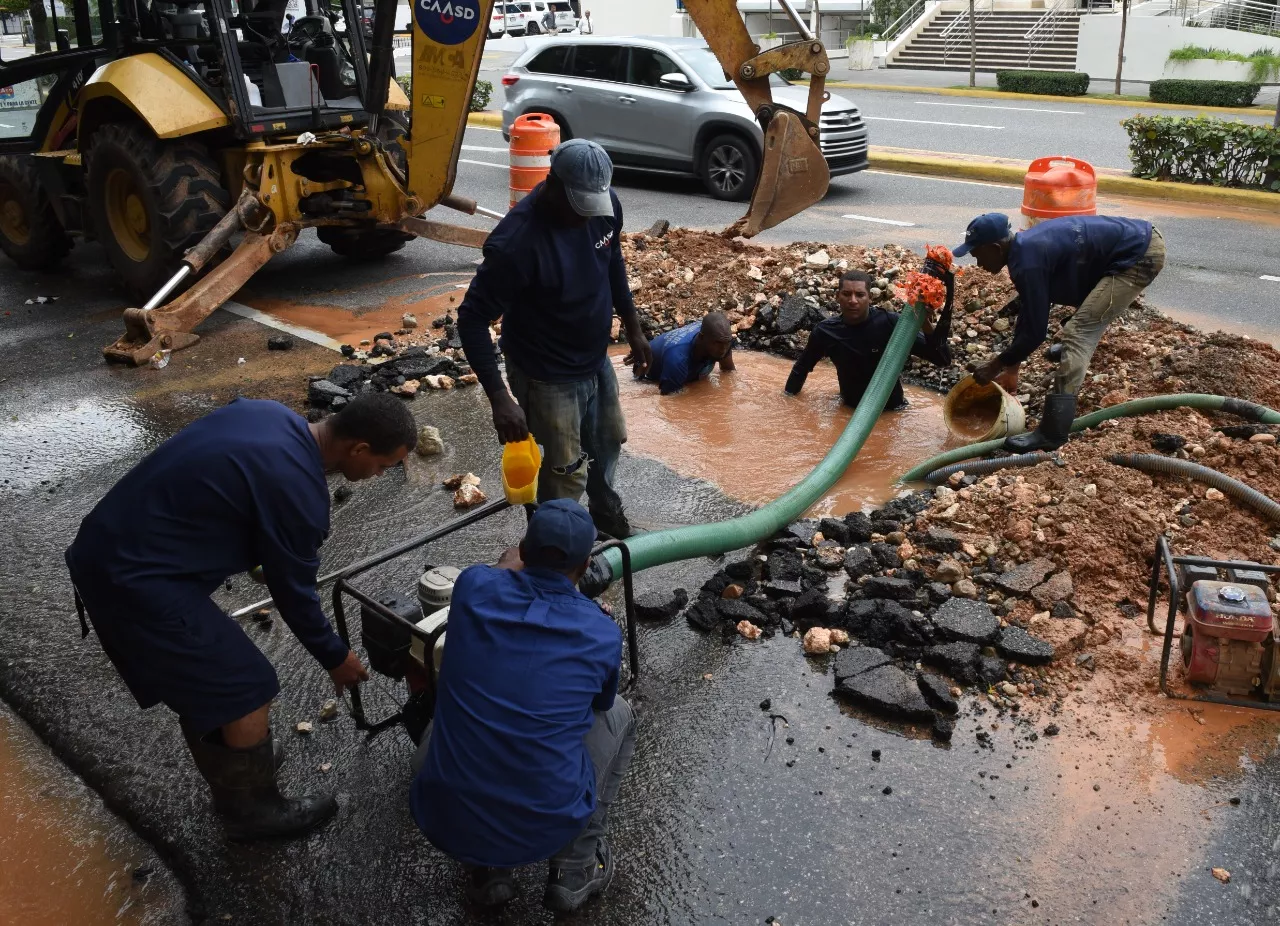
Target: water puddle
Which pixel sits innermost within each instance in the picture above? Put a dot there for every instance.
(1206, 741)
(739, 431)
(43, 448)
(63, 857)
(427, 297)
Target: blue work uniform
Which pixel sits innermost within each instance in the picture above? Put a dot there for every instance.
(673, 367)
(855, 350)
(507, 779)
(1061, 261)
(241, 487)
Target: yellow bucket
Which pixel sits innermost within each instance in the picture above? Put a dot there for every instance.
(521, 461)
(976, 413)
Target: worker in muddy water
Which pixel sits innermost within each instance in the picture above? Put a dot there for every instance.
(530, 742)
(687, 354)
(242, 487)
(855, 341)
(1097, 262)
(553, 272)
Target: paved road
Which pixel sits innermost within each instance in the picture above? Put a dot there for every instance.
(1215, 259)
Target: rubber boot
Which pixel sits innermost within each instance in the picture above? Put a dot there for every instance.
(568, 889)
(1054, 427)
(245, 794)
(277, 748)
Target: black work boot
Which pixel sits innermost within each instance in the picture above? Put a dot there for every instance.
(612, 523)
(245, 794)
(490, 887)
(568, 889)
(1053, 430)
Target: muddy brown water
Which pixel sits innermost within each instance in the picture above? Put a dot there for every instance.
(972, 419)
(63, 858)
(741, 432)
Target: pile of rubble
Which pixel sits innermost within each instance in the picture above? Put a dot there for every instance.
(390, 367)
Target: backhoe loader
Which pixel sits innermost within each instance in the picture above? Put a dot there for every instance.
(176, 131)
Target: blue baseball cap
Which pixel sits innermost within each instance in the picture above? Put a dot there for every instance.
(586, 172)
(560, 535)
(985, 229)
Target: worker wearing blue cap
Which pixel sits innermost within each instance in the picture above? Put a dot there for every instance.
(530, 741)
(1098, 263)
(553, 272)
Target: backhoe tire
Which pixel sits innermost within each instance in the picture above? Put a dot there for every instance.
(30, 232)
(150, 201)
(362, 244)
(729, 167)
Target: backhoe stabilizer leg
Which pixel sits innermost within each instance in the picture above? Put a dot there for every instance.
(170, 327)
(442, 231)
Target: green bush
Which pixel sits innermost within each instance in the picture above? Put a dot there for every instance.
(1264, 62)
(791, 74)
(1203, 150)
(1204, 92)
(1050, 83)
(480, 96)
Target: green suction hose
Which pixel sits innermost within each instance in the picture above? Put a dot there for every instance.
(1155, 403)
(668, 546)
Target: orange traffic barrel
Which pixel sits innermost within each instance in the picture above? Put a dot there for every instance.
(1059, 186)
(533, 135)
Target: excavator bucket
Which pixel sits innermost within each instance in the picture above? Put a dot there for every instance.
(793, 175)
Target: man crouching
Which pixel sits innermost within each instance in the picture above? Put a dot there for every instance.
(529, 742)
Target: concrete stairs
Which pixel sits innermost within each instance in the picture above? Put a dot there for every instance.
(1001, 41)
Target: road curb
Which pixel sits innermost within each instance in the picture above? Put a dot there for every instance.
(1115, 183)
(1002, 95)
(488, 119)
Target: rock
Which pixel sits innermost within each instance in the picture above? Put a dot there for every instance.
(859, 525)
(321, 393)
(889, 587)
(817, 641)
(347, 351)
(943, 729)
(660, 606)
(732, 591)
(959, 660)
(859, 562)
(887, 690)
(1090, 491)
(818, 259)
(812, 606)
(702, 614)
(838, 637)
(468, 496)
(304, 727)
(784, 565)
(413, 365)
(1023, 578)
(736, 610)
(937, 692)
(280, 342)
(942, 540)
(1057, 588)
(408, 320)
(858, 659)
(886, 555)
(1167, 443)
(792, 315)
(1062, 610)
(949, 571)
(966, 621)
(329, 710)
(964, 589)
(457, 480)
(1009, 690)
(836, 529)
(342, 494)
(938, 592)
(782, 588)
(407, 388)
(991, 669)
(346, 375)
(748, 630)
(1213, 495)
(1263, 438)
(830, 555)
(1052, 730)
(1221, 874)
(429, 441)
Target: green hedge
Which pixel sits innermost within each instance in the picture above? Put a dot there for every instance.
(480, 95)
(1204, 92)
(1203, 150)
(1050, 83)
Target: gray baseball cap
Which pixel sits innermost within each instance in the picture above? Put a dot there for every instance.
(586, 171)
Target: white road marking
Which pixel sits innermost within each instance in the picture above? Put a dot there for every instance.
(483, 163)
(959, 125)
(1269, 278)
(871, 218)
(1020, 109)
(484, 148)
(262, 318)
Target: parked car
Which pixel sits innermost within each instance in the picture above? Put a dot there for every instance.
(507, 19)
(665, 105)
(547, 16)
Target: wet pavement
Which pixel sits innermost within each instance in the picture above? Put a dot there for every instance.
(1117, 820)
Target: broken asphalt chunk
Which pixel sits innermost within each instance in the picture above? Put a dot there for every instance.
(856, 660)
(1026, 576)
(937, 691)
(1019, 646)
(888, 691)
(966, 621)
(660, 605)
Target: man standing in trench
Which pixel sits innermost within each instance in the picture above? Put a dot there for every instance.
(1099, 263)
(553, 272)
(242, 487)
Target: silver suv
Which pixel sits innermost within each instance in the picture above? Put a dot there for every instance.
(666, 105)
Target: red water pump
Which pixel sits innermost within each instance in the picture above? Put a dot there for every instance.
(1229, 640)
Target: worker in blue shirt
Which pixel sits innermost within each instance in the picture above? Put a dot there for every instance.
(553, 272)
(242, 487)
(855, 341)
(1098, 263)
(687, 354)
(529, 742)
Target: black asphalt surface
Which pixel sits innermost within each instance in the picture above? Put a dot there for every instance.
(721, 820)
